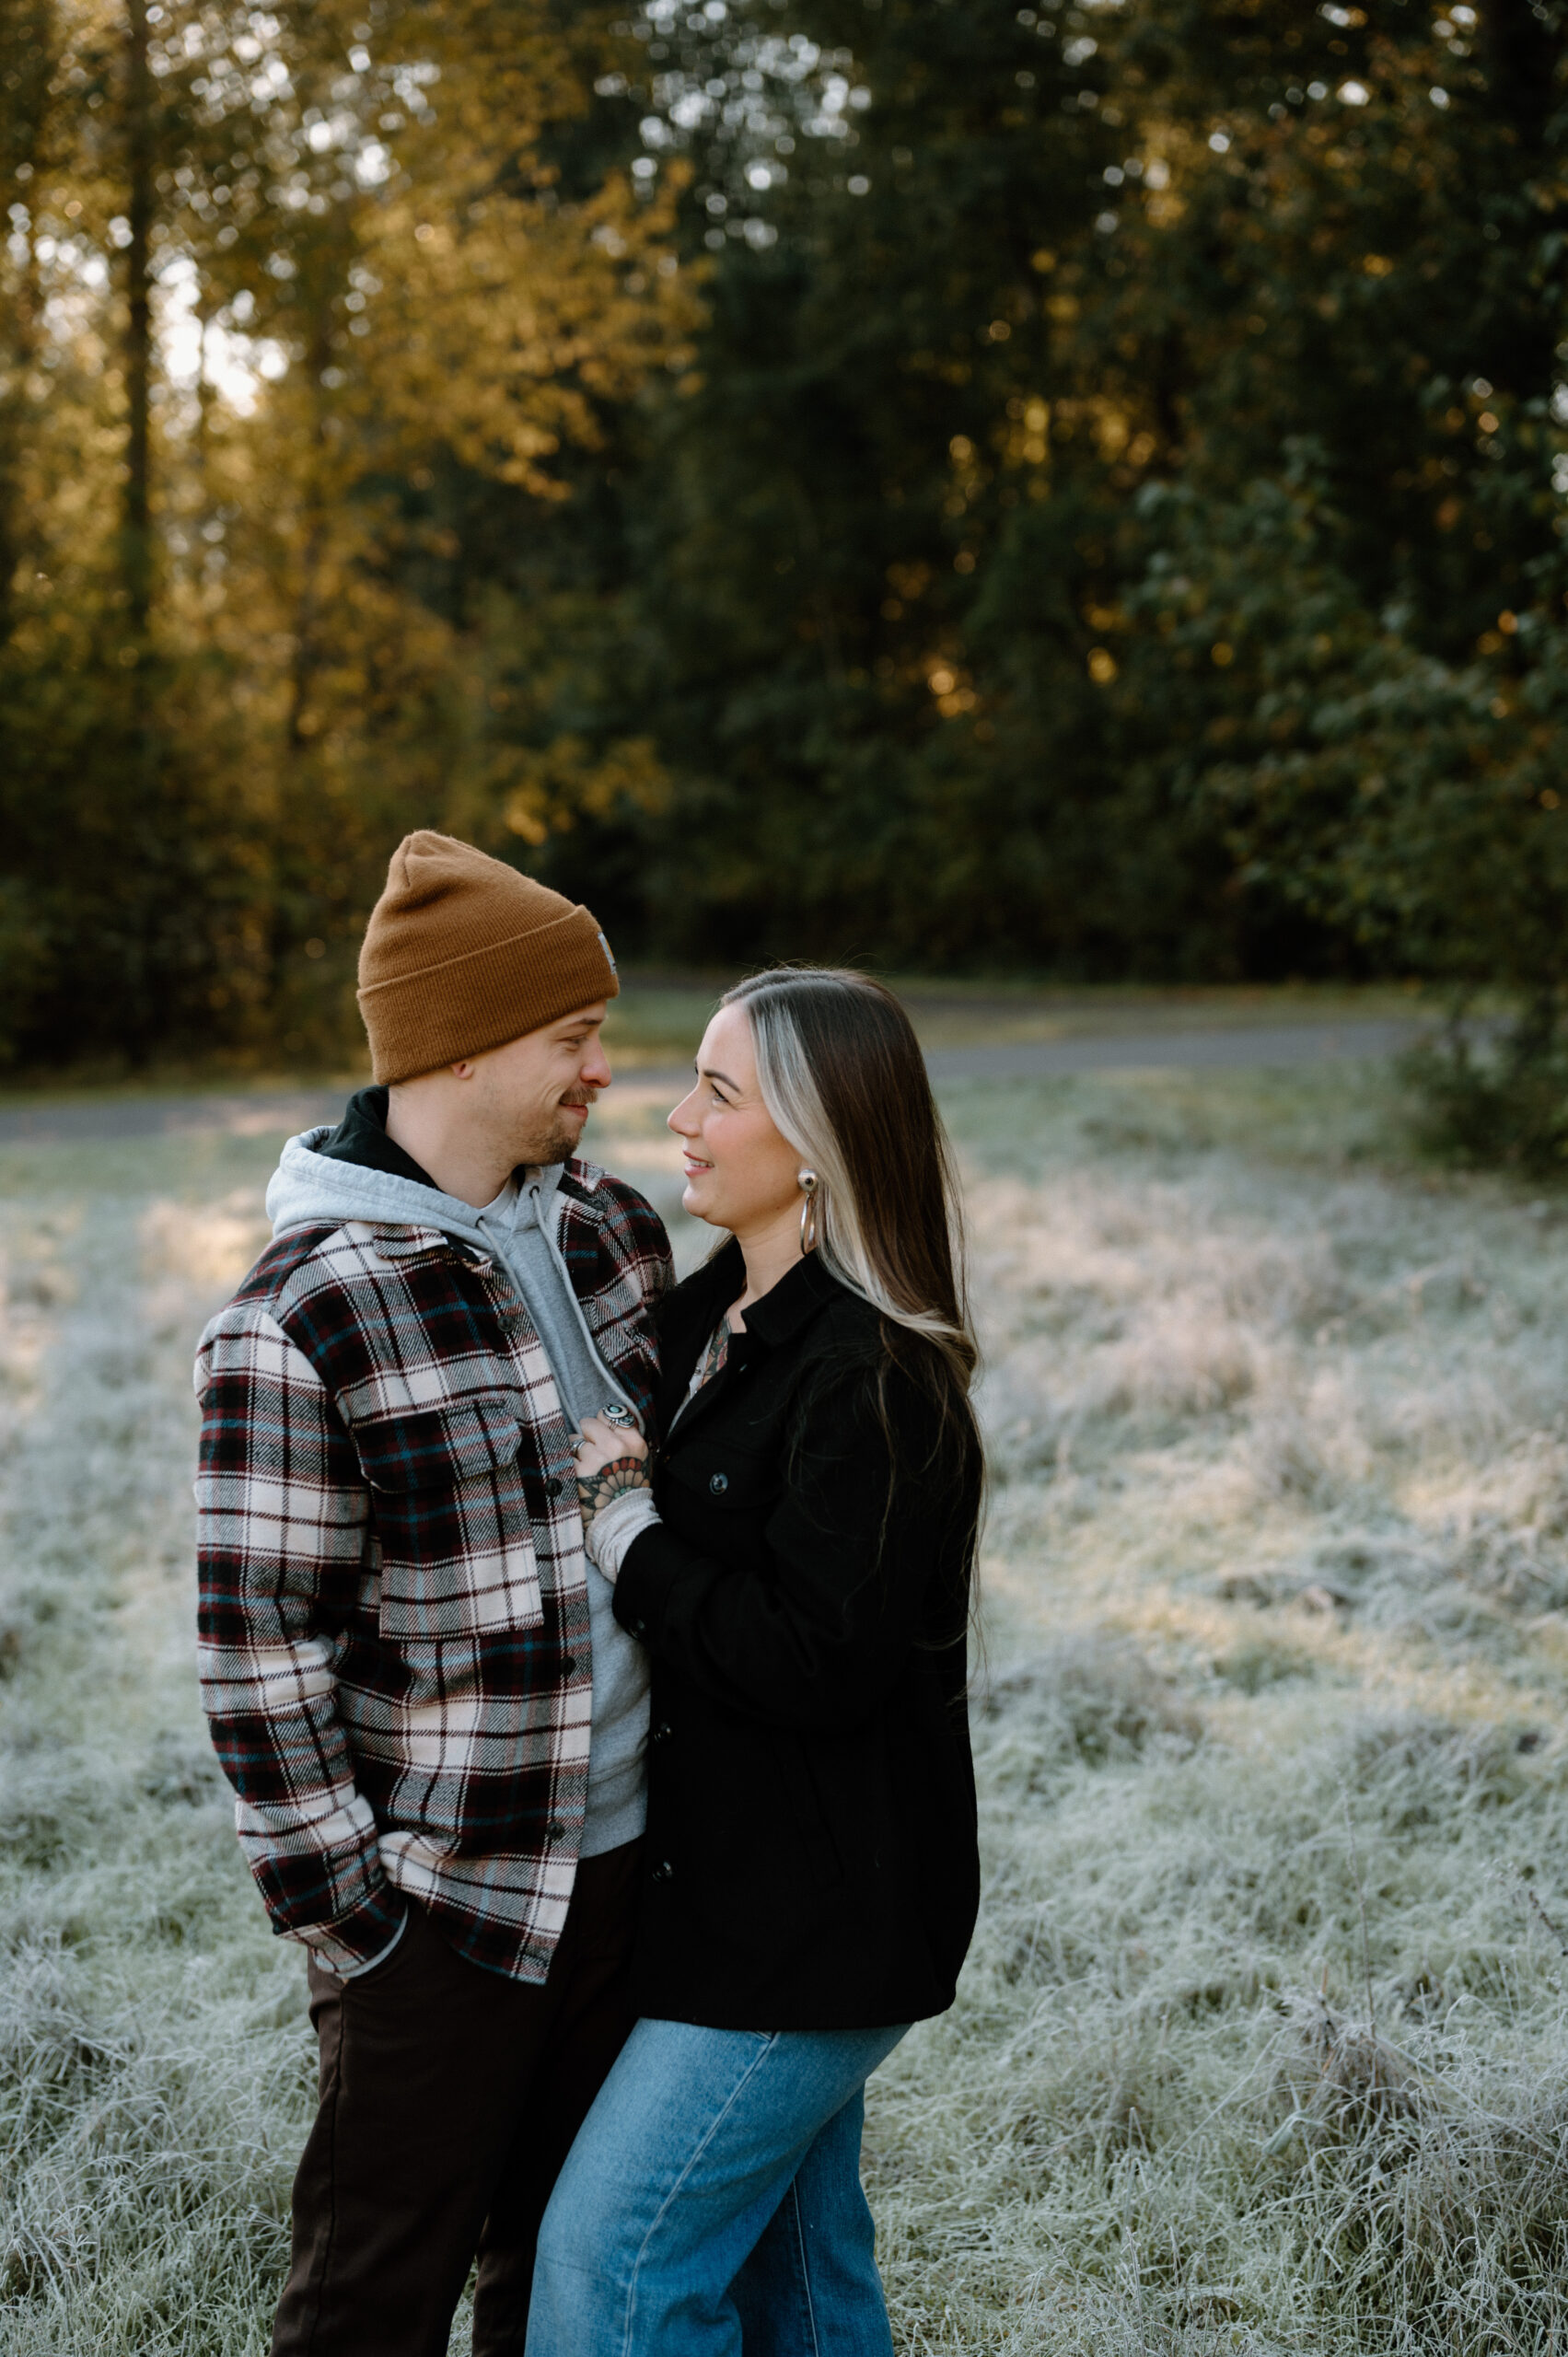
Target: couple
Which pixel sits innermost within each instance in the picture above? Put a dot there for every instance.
(588, 1654)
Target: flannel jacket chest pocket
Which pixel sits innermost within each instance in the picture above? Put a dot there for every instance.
(452, 1512)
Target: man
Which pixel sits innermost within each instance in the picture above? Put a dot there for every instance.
(415, 1683)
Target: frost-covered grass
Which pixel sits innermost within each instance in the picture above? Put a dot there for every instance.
(1263, 2045)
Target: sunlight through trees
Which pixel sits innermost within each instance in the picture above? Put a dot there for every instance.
(1074, 489)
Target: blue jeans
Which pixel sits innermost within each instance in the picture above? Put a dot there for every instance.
(712, 2203)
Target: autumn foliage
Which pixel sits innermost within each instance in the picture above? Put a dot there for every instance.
(1072, 489)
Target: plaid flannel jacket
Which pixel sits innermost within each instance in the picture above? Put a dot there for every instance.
(395, 1656)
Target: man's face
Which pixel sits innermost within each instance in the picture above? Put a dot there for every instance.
(532, 1098)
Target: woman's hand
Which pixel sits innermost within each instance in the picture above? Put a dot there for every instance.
(610, 1460)
(603, 1443)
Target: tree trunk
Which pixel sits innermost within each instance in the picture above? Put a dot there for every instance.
(27, 62)
(307, 607)
(136, 566)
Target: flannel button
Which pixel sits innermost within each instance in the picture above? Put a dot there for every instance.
(568, 1664)
(664, 1871)
(557, 1830)
(552, 1487)
(718, 1483)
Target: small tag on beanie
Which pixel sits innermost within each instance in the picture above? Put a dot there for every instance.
(610, 954)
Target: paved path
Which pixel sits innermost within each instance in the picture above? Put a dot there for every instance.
(1285, 1043)
(106, 1119)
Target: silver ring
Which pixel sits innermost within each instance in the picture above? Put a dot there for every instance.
(616, 1414)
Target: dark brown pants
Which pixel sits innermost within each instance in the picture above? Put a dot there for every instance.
(449, 2097)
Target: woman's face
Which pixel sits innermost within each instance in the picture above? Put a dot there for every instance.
(740, 1173)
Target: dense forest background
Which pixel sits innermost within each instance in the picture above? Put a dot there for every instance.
(1075, 490)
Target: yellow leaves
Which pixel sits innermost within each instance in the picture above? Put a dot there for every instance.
(525, 818)
(966, 475)
(1029, 442)
(953, 695)
(457, 307)
(1164, 211)
(1110, 429)
(1377, 265)
(496, 328)
(909, 581)
(1222, 654)
(1026, 441)
(558, 784)
(1102, 665)
(1163, 208)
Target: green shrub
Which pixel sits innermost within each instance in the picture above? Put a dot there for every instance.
(1503, 1101)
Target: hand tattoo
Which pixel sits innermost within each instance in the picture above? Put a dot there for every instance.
(595, 1490)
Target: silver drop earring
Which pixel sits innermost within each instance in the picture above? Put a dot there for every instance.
(808, 1212)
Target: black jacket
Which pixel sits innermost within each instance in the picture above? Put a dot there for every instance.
(812, 1847)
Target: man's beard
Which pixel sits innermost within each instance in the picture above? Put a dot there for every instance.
(559, 1141)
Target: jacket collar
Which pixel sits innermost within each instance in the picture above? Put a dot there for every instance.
(780, 1315)
(360, 1137)
(777, 1318)
(694, 1307)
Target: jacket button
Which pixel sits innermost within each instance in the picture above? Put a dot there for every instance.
(638, 1628)
(568, 1664)
(552, 1487)
(718, 1483)
(664, 1871)
(663, 1732)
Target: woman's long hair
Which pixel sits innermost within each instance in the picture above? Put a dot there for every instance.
(842, 1077)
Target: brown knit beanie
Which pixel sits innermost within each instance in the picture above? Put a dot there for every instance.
(463, 954)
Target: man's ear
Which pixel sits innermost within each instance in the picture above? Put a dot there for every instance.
(464, 1069)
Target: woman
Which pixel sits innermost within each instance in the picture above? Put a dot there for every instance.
(797, 1557)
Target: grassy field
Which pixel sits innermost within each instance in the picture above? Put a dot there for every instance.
(1263, 2045)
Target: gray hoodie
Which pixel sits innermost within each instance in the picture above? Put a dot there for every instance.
(521, 1229)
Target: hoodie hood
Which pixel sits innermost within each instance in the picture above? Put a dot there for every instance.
(308, 1188)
